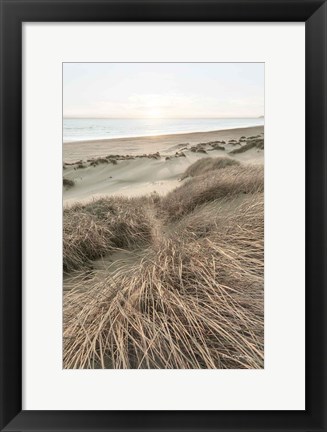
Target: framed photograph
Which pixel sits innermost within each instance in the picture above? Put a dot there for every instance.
(162, 219)
(163, 247)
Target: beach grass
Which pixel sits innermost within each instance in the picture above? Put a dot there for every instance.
(94, 229)
(231, 182)
(204, 165)
(191, 296)
(252, 142)
(68, 183)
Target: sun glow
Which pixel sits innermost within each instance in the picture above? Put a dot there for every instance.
(163, 90)
(153, 113)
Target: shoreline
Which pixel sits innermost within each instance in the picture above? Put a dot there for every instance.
(80, 150)
(170, 135)
(159, 135)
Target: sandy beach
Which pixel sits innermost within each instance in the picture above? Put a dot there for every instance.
(140, 170)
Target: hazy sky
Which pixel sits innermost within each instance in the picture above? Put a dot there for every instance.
(170, 90)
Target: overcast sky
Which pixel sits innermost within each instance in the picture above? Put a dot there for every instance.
(168, 90)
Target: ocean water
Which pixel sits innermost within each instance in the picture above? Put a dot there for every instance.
(84, 129)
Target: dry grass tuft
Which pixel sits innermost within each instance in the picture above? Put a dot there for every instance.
(228, 182)
(192, 302)
(255, 142)
(202, 166)
(68, 183)
(94, 229)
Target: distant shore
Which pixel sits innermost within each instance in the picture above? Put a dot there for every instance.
(80, 150)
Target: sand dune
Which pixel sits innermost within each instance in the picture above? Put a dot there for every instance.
(144, 175)
(128, 178)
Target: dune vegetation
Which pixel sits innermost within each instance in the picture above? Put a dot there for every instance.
(203, 166)
(68, 183)
(92, 230)
(223, 183)
(191, 295)
(256, 142)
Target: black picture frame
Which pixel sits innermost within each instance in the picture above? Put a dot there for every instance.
(13, 14)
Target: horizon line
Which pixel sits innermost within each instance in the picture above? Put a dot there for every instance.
(160, 118)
